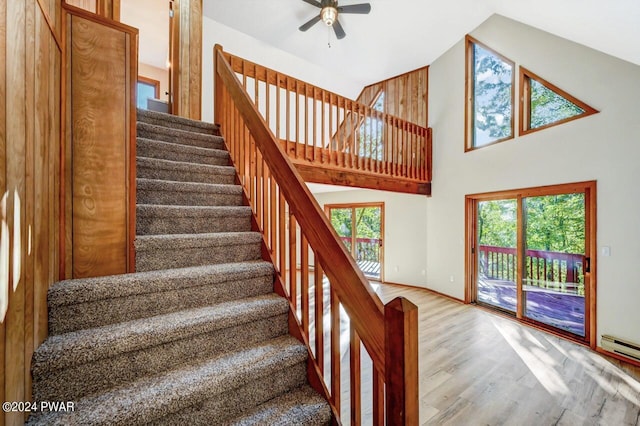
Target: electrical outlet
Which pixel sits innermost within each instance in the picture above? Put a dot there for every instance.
(451, 278)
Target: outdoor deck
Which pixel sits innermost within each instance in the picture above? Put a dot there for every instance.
(562, 310)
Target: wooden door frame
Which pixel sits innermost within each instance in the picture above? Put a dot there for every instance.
(470, 258)
(353, 206)
(185, 57)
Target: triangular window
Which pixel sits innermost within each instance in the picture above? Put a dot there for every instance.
(544, 105)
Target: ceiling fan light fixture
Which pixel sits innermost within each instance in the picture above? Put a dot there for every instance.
(329, 15)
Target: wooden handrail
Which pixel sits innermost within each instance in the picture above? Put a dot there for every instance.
(360, 301)
(294, 230)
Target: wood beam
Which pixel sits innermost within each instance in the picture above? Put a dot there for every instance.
(331, 176)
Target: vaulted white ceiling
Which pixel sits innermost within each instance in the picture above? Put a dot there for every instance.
(401, 35)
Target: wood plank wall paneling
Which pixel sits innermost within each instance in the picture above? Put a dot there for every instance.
(406, 95)
(107, 8)
(90, 5)
(30, 140)
(100, 52)
(186, 58)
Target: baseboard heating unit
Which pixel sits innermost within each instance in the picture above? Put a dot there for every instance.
(622, 347)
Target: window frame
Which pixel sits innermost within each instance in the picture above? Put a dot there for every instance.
(589, 188)
(524, 115)
(469, 137)
(149, 82)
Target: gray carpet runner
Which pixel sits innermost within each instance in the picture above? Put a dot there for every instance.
(196, 336)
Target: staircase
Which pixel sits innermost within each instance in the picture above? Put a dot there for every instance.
(196, 335)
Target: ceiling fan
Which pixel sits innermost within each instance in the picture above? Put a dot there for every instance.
(329, 11)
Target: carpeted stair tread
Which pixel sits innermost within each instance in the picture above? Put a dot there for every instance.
(89, 345)
(95, 302)
(155, 252)
(182, 241)
(149, 148)
(177, 136)
(154, 168)
(157, 219)
(165, 192)
(151, 398)
(302, 406)
(176, 122)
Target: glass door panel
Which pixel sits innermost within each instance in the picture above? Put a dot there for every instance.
(553, 278)
(368, 240)
(341, 219)
(496, 253)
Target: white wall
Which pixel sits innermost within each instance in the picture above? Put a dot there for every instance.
(405, 231)
(604, 147)
(261, 53)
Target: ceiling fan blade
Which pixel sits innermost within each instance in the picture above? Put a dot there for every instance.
(362, 8)
(313, 3)
(310, 23)
(337, 28)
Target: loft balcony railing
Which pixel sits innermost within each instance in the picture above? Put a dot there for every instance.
(325, 134)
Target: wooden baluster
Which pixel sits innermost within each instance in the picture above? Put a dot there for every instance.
(354, 128)
(259, 190)
(341, 148)
(394, 148)
(414, 151)
(307, 139)
(274, 220)
(297, 118)
(293, 262)
(378, 398)
(405, 149)
(401, 362)
(318, 282)
(252, 173)
(282, 244)
(330, 128)
(355, 369)
(304, 283)
(256, 87)
(353, 144)
(267, 95)
(323, 142)
(277, 88)
(335, 350)
(287, 117)
(315, 128)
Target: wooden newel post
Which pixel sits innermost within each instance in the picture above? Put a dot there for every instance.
(401, 362)
(217, 87)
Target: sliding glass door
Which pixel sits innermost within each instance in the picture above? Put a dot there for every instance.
(530, 255)
(497, 261)
(360, 227)
(555, 261)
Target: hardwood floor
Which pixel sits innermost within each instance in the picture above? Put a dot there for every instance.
(478, 368)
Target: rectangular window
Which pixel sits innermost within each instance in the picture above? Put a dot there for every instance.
(490, 96)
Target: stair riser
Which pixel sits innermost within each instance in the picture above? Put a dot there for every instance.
(72, 383)
(180, 175)
(166, 135)
(180, 126)
(173, 198)
(165, 258)
(173, 152)
(231, 404)
(64, 319)
(152, 225)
